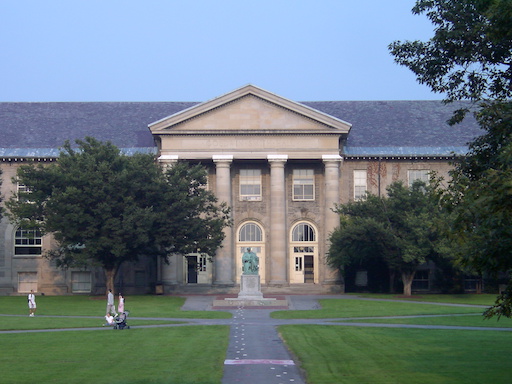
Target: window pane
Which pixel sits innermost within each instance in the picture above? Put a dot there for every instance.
(28, 242)
(250, 184)
(418, 174)
(27, 281)
(303, 184)
(250, 232)
(360, 184)
(303, 232)
(81, 281)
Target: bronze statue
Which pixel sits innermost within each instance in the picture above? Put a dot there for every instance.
(250, 263)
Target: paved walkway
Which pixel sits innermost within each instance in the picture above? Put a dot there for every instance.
(256, 354)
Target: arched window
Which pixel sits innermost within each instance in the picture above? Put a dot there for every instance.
(250, 232)
(303, 232)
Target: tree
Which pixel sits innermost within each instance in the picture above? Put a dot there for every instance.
(480, 198)
(105, 208)
(401, 228)
(469, 57)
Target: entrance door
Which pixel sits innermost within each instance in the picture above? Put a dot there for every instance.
(192, 269)
(198, 269)
(303, 260)
(309, 269)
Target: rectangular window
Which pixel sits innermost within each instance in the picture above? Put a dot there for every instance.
(23, 192)
(303, 184)
(81, 282)
(360, 184)
(250, 185)
(418, 174)
(298, 264)
(28, 242)
(27, 281)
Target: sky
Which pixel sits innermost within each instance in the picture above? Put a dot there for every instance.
(196, 50)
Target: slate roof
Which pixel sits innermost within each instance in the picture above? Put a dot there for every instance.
(378, 127)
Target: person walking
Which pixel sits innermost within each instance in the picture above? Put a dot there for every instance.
(32, 303)
(111, 308)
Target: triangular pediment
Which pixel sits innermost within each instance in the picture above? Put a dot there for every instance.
(249, 110)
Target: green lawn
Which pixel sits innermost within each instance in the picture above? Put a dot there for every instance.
(183, 355)
(471, 299)
(329, 354)
(138, 306)
(355, 355)
(458, 321)
(341, 308)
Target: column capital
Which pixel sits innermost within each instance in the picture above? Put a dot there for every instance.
(168, 158)
(331, 158)
(277, 158)
(222, 158)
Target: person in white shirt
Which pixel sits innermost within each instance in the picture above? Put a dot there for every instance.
(110, 319)
(32, 303)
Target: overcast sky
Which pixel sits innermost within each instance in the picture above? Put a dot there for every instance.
(168, 50)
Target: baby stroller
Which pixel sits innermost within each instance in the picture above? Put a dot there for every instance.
(120, 321)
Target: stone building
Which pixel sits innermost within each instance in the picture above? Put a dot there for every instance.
(281, 165)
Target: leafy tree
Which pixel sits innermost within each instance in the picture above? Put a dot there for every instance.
(105, 208)
(480, 198)
(469, 56)
(401, 228)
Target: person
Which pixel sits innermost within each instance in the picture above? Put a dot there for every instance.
(120, 304)
(250, 263)
(110, 319)
(32, 303)
(111, 308)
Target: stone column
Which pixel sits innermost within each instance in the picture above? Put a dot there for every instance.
(331, 219)
(168, 274)
(224, 260)
(167, 161)
(278, 234)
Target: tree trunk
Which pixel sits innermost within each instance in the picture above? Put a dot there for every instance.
(407, 278)
(392, 282)
(110, 275)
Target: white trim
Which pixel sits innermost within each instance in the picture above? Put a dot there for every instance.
(277, 157)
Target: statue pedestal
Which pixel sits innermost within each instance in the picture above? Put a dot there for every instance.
(250, 288)
(250, 295)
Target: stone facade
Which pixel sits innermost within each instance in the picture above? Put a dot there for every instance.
(282, 166)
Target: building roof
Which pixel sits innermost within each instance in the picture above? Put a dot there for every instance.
(378, 127)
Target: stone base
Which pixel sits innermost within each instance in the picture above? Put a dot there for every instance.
(250, 295)
(265, 302)
(250, 287)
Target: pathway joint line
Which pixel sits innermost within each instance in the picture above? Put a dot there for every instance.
(258, 361)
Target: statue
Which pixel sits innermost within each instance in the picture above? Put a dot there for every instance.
(250, 263)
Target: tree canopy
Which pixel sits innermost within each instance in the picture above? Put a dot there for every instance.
(480, 197)
(469, 57)
(105, 208)
(402, 229)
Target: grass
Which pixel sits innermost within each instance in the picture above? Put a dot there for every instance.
(342, 308)
(455, 321)
(138, 306)
(189, 354)
(194, 354)
(468, 299)
(350, 355)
